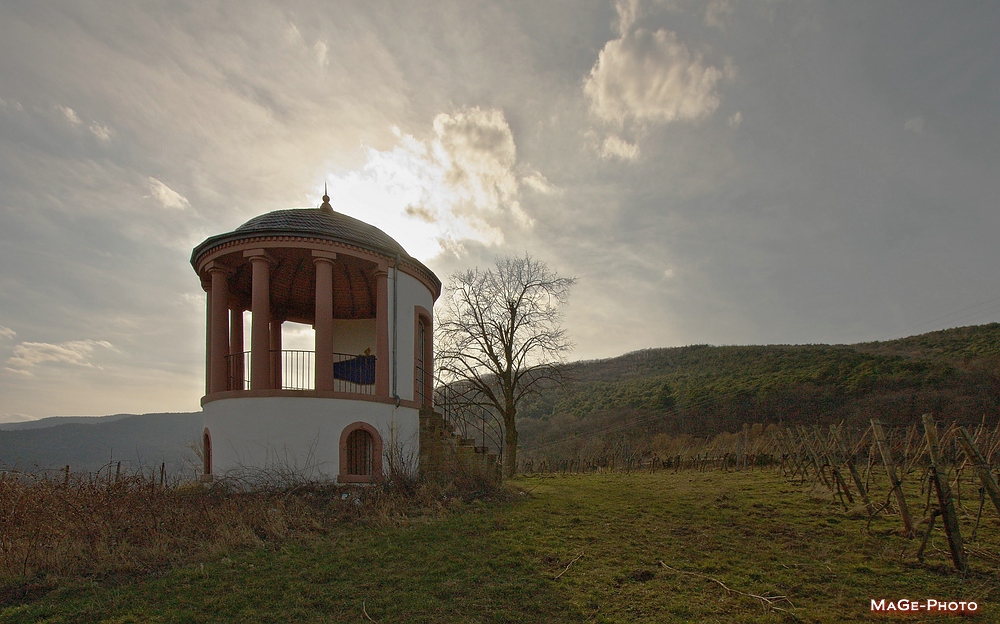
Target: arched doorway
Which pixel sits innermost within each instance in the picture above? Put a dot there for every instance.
(360, 454)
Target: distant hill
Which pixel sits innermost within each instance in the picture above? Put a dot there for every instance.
(87, 444)
(705, 390)
(52, 421)
(696, 390)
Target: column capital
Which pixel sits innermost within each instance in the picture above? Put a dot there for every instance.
(258, 255)
(217, 267)
(323, 256)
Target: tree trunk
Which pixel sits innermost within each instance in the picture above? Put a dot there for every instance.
(510, 448)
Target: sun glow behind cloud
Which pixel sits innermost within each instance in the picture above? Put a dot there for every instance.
(462, 184)
(721, 171)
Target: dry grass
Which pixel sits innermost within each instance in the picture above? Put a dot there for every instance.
(574, 548)
(115, 525)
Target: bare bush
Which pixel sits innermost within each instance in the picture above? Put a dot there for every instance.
(96, 525)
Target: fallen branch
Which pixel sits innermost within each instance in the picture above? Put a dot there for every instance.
(568, 565)
(875, 512)
(766, 601)
(365, 612)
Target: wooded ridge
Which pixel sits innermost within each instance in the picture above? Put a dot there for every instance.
(704, 390)
(697, 390)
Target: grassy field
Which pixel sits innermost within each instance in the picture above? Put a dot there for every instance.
(601, 548)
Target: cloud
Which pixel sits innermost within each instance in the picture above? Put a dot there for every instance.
(166, 195)
(538, 183)
(6, 332)
(102, 132)
(13, 418)
(476, 148)
(321, 50)
(915, 125)
(615, 147)
(422, 213)
(735, 120)
(11, 104)
(628, 13)
(718, 12)
(28, 355)
(71, 115)
(651, 77)
(462, 183)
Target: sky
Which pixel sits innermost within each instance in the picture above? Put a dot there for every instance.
(722, 172)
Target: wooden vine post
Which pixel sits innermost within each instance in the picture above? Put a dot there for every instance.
(838, 479)
(982, 467)
(804, 440)
(945, 503)
(890, 470)
(835, 433)
(796, 457)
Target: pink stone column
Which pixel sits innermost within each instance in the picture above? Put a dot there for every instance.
(220, 326)
(208, 336)
(260, 330)
(382, 334)
(237, 373)
(275, 345)
(324, 322)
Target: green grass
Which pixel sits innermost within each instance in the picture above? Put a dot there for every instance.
(603, 536)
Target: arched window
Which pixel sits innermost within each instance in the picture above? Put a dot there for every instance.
(360, 454)
(206, 451)
(423, 358)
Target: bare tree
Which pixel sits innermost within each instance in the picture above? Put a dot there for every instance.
(500, 335)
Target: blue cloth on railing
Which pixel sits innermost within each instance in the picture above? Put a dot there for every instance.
(359, 370)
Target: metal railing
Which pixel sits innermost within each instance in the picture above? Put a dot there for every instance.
(238, 370)
(351, 373)
(420, 381)
(354, 373)
(297, 369)
(471, 419)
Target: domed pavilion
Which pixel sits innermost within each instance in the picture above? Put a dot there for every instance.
(334, 412)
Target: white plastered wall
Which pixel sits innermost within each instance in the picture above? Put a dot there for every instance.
(353, 336)
(301, 434)
(412, 293)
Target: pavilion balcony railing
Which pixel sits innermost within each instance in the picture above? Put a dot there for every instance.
(238, 370)
(351, 373)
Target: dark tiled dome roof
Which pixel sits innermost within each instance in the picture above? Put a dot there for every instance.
(314, 222)
(317, 223)
(334, 225)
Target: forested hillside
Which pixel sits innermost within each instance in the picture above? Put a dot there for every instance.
(704, 390)
(698, 390)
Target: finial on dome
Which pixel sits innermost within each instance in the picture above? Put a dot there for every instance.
(325, 206)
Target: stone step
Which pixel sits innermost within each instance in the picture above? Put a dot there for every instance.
(443, 449)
